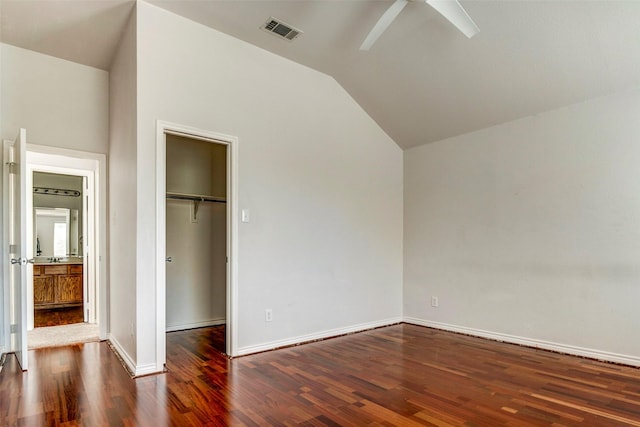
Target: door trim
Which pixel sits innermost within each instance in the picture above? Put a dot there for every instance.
(163, 128)
(5, 344)
(12, 306)
(42, 158)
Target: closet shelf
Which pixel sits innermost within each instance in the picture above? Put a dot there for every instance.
(196, 197)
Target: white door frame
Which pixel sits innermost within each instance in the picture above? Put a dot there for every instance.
(14, 307)
(93, 167)
(163, 128)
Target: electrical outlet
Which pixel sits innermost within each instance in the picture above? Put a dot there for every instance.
(434, 301)
(268, 315)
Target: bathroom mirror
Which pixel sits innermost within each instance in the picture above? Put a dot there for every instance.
(56, 232)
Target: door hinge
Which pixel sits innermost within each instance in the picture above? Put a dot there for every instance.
(13, 328)
(12, 167)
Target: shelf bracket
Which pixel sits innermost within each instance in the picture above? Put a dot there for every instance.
(196, 206)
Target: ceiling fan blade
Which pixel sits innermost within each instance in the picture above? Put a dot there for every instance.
(453, 11)
(383, 23)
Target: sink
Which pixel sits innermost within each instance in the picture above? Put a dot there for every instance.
(57, 260)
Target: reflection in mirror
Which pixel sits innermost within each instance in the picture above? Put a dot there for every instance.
(60, 239)
(56, 232)
(57, 215)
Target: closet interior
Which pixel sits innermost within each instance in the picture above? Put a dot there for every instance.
(196, 233)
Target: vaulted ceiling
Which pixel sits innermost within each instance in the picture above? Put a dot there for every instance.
(422, 81)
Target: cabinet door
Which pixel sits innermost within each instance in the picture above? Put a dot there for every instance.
(43, 290)
(69, 288)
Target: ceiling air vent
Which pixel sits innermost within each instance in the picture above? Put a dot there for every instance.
(280, 29)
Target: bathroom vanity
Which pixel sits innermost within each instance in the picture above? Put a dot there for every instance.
(57, 285)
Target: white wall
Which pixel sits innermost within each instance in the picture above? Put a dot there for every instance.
(323, 182)
(122, 197)
(531, 229)
(4, 316)
(196, 278)
(60, 103)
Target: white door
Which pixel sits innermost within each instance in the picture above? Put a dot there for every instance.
(18, 247)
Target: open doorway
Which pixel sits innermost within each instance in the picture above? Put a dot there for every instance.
(66, 238)
(196, 234)
(61, 295)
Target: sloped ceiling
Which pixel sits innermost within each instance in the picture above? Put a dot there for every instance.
(82, 31)
(422, 81)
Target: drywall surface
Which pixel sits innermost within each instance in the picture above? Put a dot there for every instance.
(530, 228)
(323, 183)
(60, 103)
(123, 189)
(196, 240)
(196, 276)
(4, 290)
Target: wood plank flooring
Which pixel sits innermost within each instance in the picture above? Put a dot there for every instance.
(402, 375)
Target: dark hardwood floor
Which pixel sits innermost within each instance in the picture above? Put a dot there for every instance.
(401, 375)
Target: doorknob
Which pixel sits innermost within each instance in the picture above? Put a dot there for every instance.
(20, 261)
(168, 259)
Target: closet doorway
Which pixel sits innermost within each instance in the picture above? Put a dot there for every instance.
(195, 234)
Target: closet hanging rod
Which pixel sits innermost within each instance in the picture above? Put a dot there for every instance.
(196, 197)
(56, 191)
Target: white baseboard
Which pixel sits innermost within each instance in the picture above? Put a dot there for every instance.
(316, 336)
(203, 324)
(147, 370)
(530, 342)
(122, 353)
(131, 366)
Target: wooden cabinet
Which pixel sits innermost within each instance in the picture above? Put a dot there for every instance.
(43, 289)
(57, 286)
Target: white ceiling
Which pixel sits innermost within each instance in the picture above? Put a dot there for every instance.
(422, 81)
